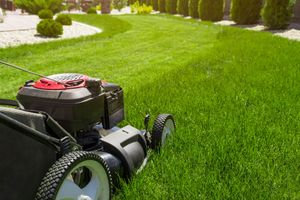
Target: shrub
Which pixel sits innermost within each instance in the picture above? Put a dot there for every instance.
(64, 19)
(119, 4)
(246, 11)
(183, 7)
(154, 4)
(45, 14)
(91, 10)
(171, 6)
(130, 2)
(144, 9)
(162, 6)
(49, 28)
(211, 10)
(193, 8)
(134, 7)
(276, 14)
(34, 6)
(98, 7)
(140, 9)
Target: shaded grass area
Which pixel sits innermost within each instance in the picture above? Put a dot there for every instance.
(234, 93)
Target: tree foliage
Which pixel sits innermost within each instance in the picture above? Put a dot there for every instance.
(183, 7)
(171, 6)
(246, 11)
(193, 8)
(277, 14)
(211, 10)
(119, 4)
(154, 4)
(162, 6)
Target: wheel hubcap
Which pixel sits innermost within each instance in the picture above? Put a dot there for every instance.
(86, 181)
(168, 129)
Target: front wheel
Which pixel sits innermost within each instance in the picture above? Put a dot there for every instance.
(78, 175)
(163, 127)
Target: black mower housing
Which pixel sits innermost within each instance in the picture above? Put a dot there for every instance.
(77, 109)
(47, 125)
(30, 145)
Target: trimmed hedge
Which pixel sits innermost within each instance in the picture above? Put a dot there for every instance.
(34, 6)
(211, 10)
(193, 8)
(154, 4)
(277, 14)
(64, 19)
(246, 11)
(49, 28)
(171, 6)
(162, 6)
(183, 7)
(45, 14)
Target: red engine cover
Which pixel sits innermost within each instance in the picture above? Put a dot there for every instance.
(63, 82)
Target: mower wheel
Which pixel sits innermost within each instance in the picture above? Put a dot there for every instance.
(164, 126)
(78, 175)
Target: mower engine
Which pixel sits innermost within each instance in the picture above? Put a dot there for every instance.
(66, 125)
(78, 105)
(89, 109)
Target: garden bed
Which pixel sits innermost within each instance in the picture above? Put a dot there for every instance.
(20, 29)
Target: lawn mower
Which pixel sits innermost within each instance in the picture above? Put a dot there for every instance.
(60, 139)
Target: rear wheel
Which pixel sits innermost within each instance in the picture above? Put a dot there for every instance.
(163, 127)
(77, 176)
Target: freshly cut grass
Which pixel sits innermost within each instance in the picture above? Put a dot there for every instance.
(234, 94)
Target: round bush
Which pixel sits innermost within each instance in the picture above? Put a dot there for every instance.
(49, 28)
(162, 6)
(45, 14)
(64, 19)
(193, 8)
(276, 14)
(183, 7)
(171, 6)
(211, 10)
(246, 11)
(91, 10)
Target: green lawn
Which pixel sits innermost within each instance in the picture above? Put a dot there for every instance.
(234, 93)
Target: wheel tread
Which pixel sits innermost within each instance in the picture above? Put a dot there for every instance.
(157, 130)
(59, 170)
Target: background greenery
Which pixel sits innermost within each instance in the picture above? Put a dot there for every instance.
(162, 6)
(34, 6)
(211, 10)
(277, 14)
(171, 6)
(183, 7)
(234, 94)
(193, 8)
(246, 11)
